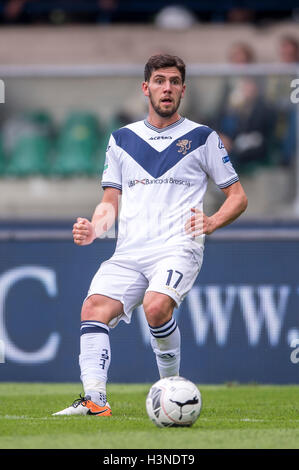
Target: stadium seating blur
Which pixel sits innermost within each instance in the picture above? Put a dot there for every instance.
(31, 145)
(27, 140)
(78, 146)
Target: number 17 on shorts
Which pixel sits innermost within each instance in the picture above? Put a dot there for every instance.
(175, 277)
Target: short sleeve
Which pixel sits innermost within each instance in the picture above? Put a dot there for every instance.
(217, 163)
(112, 168)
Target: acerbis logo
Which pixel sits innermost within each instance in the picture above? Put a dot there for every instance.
(160, 137)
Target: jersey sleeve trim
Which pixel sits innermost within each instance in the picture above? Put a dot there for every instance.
(231, 181)
(110, 184)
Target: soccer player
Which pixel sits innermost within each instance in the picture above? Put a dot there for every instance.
(159, 169)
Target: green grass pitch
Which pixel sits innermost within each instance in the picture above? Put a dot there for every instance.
(233, 416)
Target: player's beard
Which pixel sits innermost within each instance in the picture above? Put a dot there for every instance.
(167, 112)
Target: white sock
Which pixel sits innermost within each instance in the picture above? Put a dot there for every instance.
(94, 359)
(166, 344)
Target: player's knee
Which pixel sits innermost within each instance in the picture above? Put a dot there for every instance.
(157, 311)
(93, 310)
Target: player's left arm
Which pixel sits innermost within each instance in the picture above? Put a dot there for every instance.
(235, 203)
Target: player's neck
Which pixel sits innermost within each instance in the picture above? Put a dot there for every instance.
(161, 122)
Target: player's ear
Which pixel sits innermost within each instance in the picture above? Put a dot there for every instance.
(145, 88)
(184, 89)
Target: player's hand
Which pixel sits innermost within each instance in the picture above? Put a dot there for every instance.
(83, 232)
(199, 224)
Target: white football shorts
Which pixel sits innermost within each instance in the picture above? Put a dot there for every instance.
(127, 279)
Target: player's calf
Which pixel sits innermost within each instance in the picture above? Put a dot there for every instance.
(166, 344)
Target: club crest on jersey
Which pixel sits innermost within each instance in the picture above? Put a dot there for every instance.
(184, 145)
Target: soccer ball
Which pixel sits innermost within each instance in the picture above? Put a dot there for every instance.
(173, 401)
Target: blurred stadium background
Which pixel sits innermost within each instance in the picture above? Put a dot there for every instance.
(72, 72)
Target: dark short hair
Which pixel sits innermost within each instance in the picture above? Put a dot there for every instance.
(161, 61)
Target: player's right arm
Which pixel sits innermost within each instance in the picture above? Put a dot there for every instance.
(105, 214)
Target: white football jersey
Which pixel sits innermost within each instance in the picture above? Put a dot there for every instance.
(162, 174)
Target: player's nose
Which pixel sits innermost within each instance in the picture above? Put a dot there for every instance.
(167, 86)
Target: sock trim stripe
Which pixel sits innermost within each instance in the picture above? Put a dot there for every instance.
(163, 330)
(92, 329)
(156, 328)
(162, 335)
(95, 323)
